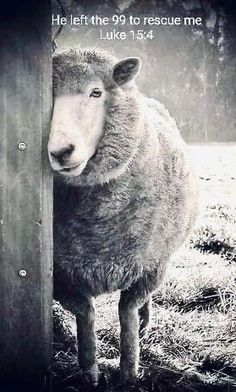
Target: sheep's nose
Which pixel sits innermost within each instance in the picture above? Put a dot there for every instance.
(63, 154)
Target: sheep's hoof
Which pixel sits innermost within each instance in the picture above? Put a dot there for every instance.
(91, 376)
(128, 375)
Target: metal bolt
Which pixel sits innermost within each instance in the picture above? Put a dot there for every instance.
(22, 273)
(22, 146)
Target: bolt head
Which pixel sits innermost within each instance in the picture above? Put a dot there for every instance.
(22, 273)
(22, 146)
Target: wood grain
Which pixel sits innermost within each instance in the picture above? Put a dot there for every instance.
(25, 195)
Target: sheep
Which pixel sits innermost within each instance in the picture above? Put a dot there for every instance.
(125, 196)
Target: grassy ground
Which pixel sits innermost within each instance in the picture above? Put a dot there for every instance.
(191, 344)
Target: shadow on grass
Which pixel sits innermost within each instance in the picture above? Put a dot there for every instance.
(209, 242)
(208, 298)
(153, 378)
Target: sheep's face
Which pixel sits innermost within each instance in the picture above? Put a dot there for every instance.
(82, 84)
(76, 128)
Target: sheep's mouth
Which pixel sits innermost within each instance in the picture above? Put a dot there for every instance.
(69, 169)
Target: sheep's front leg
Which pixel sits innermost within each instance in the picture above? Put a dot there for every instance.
(134, 302)
(85, 318)
(129, 336)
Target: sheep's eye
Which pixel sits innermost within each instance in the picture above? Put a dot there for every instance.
(96, 93)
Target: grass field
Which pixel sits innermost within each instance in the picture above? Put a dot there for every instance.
(191, 344)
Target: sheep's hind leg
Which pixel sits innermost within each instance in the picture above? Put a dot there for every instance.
(85, 318)
(144, 318)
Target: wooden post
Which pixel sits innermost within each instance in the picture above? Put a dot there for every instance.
(25, 195)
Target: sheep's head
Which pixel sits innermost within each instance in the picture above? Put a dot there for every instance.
(83, 83)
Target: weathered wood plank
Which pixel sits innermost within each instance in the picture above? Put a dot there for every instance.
(25, 194)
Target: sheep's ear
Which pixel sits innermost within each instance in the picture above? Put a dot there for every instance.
(125, 70)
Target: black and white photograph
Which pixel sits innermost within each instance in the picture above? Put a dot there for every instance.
(118, 196)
